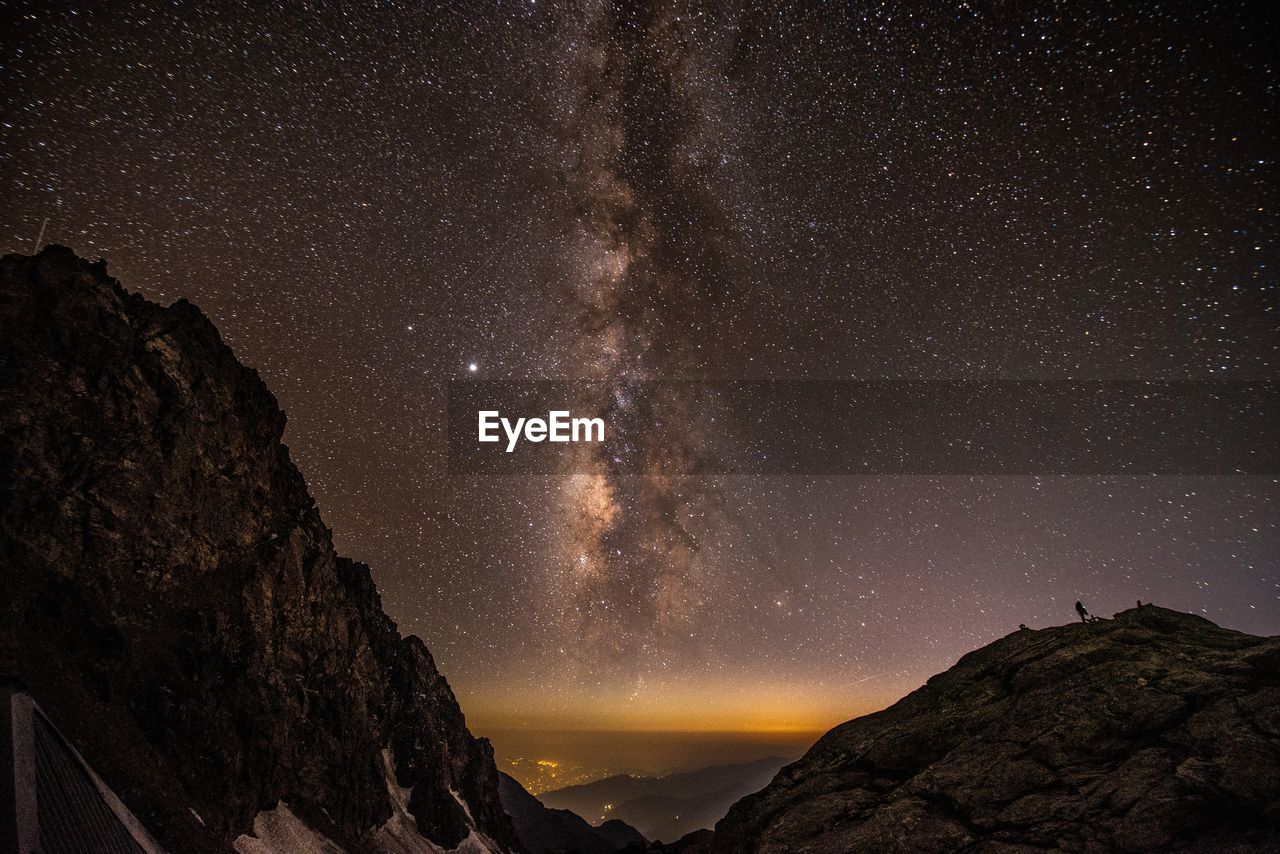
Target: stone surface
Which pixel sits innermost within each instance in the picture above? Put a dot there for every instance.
(1154, 731)
(174, 596)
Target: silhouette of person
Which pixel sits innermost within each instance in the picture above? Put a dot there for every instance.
(1083, 612)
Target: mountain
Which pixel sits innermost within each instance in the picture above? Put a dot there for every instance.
(176, 607)
(548, 831)
(620, 834)
(1154, 731)
(669, 807)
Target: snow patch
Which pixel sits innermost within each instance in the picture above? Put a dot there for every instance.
(477, 843)
(279, 831)
(400, 834)
(466, 809)
(399, 794)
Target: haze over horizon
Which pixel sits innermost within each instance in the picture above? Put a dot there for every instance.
(544, 760)
(370, 204)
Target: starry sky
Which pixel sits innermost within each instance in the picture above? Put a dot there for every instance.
(373, 200)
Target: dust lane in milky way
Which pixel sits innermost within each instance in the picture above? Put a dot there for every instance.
(373, 202)
(648, 263)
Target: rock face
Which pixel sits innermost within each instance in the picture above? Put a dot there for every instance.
(542, 830)
(175, 600)
(1154, 731)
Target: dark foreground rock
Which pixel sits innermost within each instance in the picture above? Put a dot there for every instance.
(1155, 731)
(175, 601)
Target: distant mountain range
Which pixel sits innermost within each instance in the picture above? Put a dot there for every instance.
(666, 808)
(542, 830)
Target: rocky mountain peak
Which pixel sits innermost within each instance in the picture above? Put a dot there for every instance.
(177, 604)
(1152, 731)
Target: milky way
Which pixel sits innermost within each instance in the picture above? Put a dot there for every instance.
(647, 265)
(374, 201)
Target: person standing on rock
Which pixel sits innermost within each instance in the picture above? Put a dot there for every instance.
(1083, 612)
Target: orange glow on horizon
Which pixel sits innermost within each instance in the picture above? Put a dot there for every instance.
(776, 710)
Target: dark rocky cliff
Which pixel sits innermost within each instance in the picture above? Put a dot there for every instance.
(175, 600)
(1155, 731)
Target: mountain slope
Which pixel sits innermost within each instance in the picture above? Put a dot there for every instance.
(175, 600)
(1155, 731)
(542, 830)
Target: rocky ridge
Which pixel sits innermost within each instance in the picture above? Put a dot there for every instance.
(175, 601)
(1154, 731)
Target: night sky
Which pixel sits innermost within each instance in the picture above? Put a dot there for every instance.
(373, 200)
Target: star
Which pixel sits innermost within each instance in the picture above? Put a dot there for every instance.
(661, 190)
